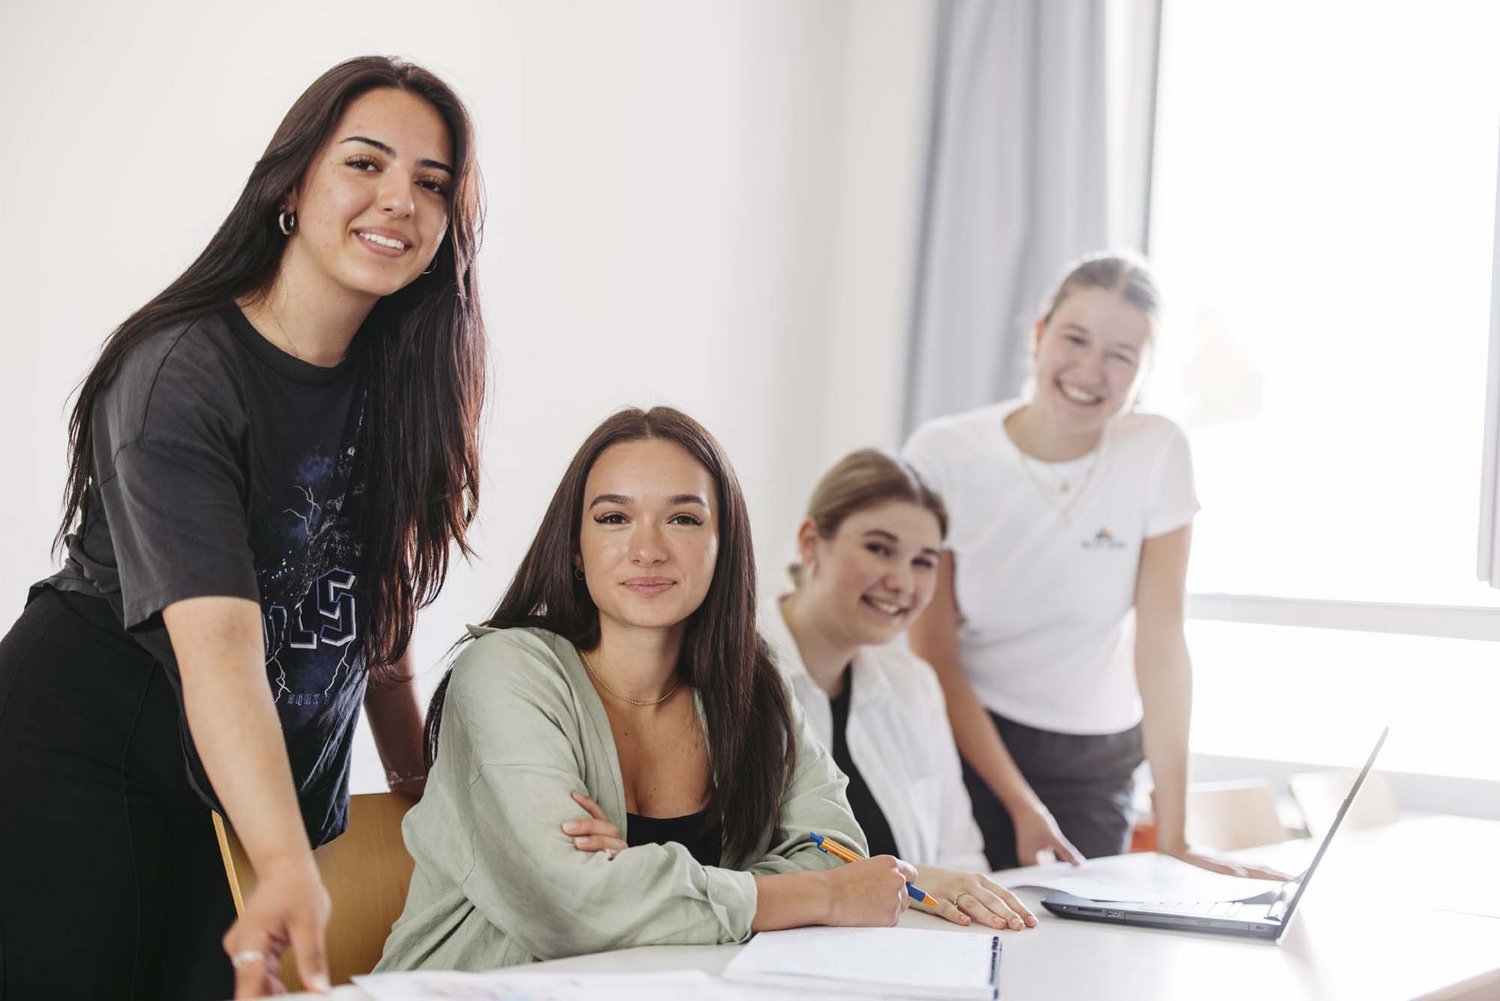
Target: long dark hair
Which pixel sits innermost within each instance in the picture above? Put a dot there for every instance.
(420, 445)
(749, 722)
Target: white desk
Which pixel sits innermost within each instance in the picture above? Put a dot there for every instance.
(1353, 936)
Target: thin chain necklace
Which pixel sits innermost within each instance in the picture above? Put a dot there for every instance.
(284, 335)
(625, 698)
(1062, 496)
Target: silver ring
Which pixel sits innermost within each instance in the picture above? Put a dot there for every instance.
(245, 957)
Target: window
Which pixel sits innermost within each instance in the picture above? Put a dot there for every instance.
(1323, 217)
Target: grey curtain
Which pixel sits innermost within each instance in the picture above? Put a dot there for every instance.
(1039, 149)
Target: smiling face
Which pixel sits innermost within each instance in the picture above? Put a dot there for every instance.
(876, 574)
(1087, 356)
(372, 209)
(649, 538)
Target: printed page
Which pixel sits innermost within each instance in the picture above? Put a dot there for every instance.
(1144, 876)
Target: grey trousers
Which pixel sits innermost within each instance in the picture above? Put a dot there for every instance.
(1084, 780)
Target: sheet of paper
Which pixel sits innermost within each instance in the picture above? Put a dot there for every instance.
(871, 962)
(1144, 876)
(521, 985)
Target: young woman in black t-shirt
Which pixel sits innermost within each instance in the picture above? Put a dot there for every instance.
(269, 463)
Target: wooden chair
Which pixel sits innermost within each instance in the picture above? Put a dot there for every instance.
(1320, 794)
(366, 871)
(1233, 815)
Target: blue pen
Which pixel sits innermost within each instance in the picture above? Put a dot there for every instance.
(838, 851)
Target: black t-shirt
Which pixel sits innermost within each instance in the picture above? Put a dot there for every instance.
(861, 801)
(224, 466)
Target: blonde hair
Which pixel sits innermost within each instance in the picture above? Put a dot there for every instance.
(862, 480)
(1120, 271)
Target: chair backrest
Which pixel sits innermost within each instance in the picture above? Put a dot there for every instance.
(1320, 794)
(366, 870)
(1233, 815)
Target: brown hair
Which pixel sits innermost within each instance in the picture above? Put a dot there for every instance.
(419, 448)
(1119, 271)
(749, 723)
(862, 480)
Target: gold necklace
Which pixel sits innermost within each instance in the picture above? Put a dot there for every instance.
(1066, 496)
(284, 335)
(625, 698)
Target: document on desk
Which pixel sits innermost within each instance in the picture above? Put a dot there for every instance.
(1143, 876)
(519, 984)
(872, 962)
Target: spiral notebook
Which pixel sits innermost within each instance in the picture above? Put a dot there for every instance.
(874, 962)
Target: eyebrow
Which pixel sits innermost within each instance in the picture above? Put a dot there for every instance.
(882, 533)
(674, 501)
(388, 151)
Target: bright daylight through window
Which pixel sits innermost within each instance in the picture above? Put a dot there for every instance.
(1323, 202)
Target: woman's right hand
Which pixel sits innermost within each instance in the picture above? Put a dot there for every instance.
(870, 892)
(288, 908)
(1037, 832)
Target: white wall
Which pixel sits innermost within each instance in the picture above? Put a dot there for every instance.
(710, 204)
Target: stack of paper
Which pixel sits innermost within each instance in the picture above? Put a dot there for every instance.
(873, 962)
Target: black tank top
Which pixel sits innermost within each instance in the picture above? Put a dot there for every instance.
(866, 811)
(701, 839)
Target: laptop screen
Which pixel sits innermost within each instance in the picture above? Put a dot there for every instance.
(1300, 882)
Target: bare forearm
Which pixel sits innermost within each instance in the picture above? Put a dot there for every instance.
(934, 638)
(1165, 677)
(234, 724)
(980, 744)
(395, 714)
(791, 900)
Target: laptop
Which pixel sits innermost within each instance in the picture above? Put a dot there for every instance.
(1264, 916)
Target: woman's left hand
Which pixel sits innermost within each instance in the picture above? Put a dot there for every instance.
(595, 833)
(977, 896)
(1218, 863)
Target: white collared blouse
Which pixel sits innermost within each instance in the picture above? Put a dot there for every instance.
(899, 739)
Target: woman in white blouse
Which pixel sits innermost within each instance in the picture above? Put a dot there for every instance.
(869, 551)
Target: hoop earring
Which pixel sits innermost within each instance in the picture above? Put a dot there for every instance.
(286, 222)
(431, 267)
(578, 573)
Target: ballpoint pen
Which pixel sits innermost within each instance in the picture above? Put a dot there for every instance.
(839, 851)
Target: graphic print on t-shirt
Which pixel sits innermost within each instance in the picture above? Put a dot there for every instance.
(309, 601)
(1103, 539)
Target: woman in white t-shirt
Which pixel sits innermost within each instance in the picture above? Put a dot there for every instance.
(869, 550)
(1057, 626)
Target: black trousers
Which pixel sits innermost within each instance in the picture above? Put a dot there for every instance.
(1084, 780)
(110, 880)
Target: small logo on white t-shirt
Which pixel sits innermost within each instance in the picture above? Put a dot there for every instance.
(1103, 539)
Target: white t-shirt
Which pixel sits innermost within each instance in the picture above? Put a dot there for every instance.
(1047, 621)
(899, 739)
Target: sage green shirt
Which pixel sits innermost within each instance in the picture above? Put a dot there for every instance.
(497, 882)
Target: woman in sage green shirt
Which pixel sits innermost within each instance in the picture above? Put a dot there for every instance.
(621, 695)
